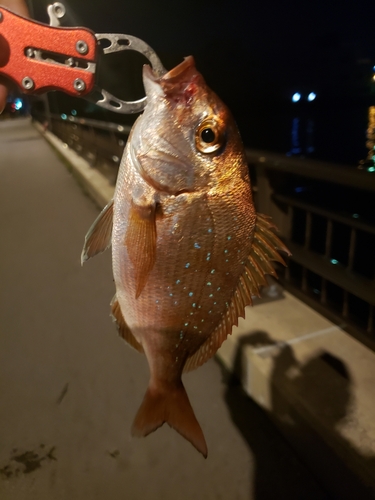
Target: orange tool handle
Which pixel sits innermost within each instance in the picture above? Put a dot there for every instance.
(19, 37)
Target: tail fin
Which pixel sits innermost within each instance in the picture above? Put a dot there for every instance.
(174, 408)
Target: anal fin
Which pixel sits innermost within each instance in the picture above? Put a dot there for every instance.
(123, 329)
(98, 237)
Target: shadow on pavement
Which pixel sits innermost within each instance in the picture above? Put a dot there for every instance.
(286, 474)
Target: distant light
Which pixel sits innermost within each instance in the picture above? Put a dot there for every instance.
(373, 68)
(296, 97)
(311, 97)
(63, 116)
(334, 261)
(371, 169)
(355, 216)
(74, 112)
(18, 104)
(300, 189)
(315, 290)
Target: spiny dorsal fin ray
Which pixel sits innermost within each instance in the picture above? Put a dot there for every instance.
(264, 250)
(98, 237)
(123, 329)
(140, 241)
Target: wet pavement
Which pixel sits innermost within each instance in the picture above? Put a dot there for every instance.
(70, 387)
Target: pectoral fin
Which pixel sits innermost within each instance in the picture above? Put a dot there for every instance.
(98, 237)
(140, 241)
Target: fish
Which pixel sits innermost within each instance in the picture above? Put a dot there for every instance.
(189, 251)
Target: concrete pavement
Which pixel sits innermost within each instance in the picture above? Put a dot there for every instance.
(70, 387)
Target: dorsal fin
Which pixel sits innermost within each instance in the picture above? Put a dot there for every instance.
(123, 329)
(98, 237)
(264, 249)
(140, 241)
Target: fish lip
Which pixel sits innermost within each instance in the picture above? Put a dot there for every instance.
(171, 76)
(178, 71)
(180, 85)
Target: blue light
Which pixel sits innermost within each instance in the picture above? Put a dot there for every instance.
(334, 261)
(63, 116)
(355, 216)
(296, 97)
(311, 97)
(371, 169)
(74, 112)
(18, 104)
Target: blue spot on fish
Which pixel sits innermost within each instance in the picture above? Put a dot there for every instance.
(229, 237)
(218, 289)
(191, 294)
(177, 282)
(194, 304)
(213, 270)
(225, 251)
(210, 230)
(187, 265)
(196, 245)
(211, 295)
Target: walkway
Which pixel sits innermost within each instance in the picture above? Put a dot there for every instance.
(70, 387)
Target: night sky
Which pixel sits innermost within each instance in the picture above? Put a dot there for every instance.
(253, 54)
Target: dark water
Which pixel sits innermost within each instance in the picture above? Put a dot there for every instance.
(334, 134)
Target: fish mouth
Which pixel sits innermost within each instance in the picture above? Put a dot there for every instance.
(180, 84)
(179, 71)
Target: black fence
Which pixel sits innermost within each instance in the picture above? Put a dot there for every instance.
(325, 213)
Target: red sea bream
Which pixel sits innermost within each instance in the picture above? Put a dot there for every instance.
(189, 251)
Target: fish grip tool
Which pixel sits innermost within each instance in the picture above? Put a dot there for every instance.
(39, 58)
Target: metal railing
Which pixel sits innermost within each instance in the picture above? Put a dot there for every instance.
(325, 214)
(100, 143)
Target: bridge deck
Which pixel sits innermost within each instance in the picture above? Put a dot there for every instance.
(69, 385)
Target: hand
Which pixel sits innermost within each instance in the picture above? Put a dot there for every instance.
(19, 7)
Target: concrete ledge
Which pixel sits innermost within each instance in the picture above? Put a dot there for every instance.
(316, 382)
(313, 379)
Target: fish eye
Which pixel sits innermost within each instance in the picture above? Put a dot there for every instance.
(209, 135)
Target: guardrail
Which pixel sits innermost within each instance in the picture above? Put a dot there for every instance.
(325, 214)
(100, 143)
